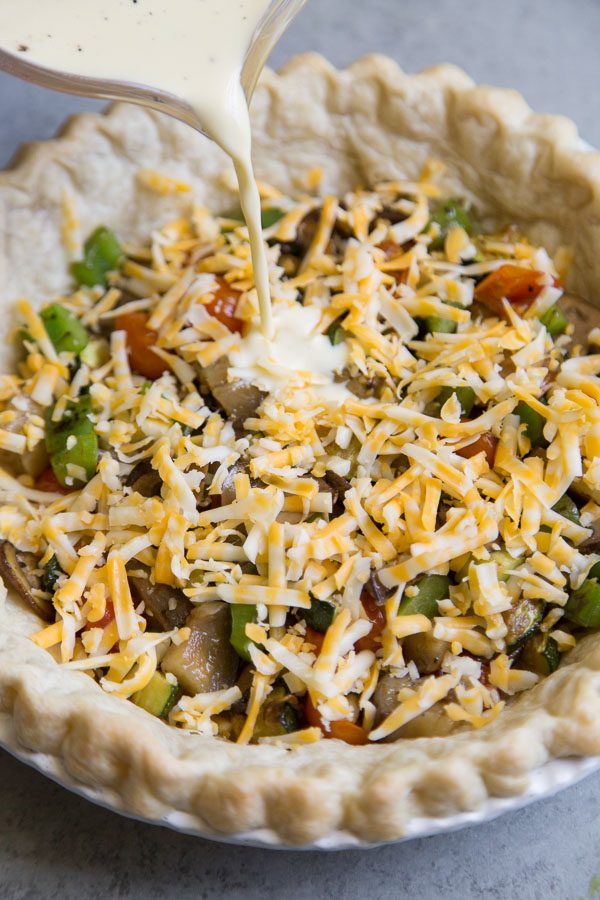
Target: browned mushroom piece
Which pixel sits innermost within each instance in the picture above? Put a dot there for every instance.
(432, 723)
(18, 571)
(378, 592)
(144, 480)
(239, 399)
(425, 651)
(166, 607)
(206, 661)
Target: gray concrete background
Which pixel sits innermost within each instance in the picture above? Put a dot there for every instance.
(53, 844)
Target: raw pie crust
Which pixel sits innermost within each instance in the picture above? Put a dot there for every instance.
(362, 125)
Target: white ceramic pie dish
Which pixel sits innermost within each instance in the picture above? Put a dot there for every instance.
(365, 124)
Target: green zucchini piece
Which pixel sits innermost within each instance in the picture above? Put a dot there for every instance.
(320, 615)
(534, 424)
(522, 621)
(568, 509)
(52, 572)
(505, 562)
(64, 330)
(446, 215)
(241, 615)
(540, 654)
(431, 589)
(158, 697)
(102, 253)
(555, 320)
(583, 606)
(466, 397)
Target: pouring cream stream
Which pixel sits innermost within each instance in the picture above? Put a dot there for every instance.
(193, 50)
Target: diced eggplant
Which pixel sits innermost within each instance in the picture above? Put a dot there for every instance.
(166, 607)
(425, 651)
(206, 661)
(145, 480)
(378, 592)
(17, 570)
(432, 723)
(239, 399)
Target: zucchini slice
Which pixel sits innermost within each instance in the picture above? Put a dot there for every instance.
(158, 697)
(522, 621)
(540, 654)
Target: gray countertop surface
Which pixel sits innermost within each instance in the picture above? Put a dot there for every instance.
(54, 844)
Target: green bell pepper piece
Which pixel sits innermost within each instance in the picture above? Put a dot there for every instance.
(75, 423)
(583, 606)
(241, 615)
(102, 253)
(320, 615)
(431, 588)
(64, 330)
(268, 217)
(437, 325)
(555, 320)
(466, 397)
(534, 424)
(446, 215)
(335, 332)
(568, 509)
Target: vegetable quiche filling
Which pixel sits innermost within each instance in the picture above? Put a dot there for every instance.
(390, 543)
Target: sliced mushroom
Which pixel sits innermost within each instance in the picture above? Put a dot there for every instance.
(425, 651)
(336, 484)
(239, 399)
(206, 661)
(166, 606)
(432, 723)
(17, 570)
(145, 480)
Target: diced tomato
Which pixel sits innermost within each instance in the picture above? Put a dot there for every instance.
(107, 618)
(314, 637)
(140, 341)
(514, 283)
(485, 443)
(348, 732)
(48, 481)
(224, 304)
(341, 731)
(391, 250)
(376, 615)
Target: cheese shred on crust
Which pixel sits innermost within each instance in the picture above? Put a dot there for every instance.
(383, 550)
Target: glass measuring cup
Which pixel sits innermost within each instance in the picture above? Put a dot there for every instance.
(277, 17)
